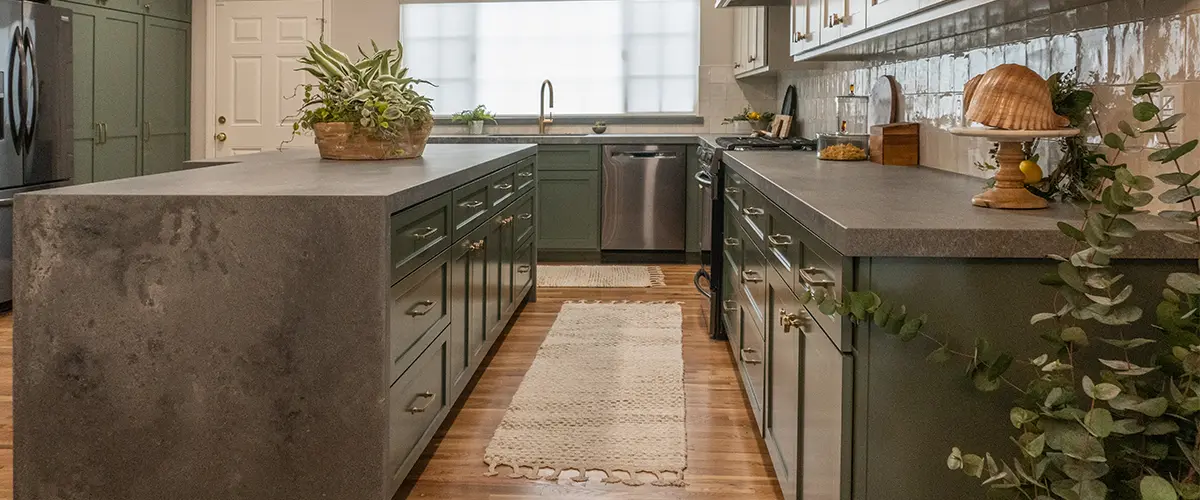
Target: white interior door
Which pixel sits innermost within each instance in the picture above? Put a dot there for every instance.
(256, 50)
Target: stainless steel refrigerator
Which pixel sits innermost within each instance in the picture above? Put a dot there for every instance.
(36, 111)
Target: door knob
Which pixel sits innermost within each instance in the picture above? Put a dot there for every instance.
(220, 137)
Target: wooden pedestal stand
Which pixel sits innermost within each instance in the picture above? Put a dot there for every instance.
(1009, 191)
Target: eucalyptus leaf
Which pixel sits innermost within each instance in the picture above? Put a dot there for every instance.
(1183, 238)
(1070, 275)
(1179, 215)
(1114, 141)
(1099, 422)
(1187, 283)
(1154, 407)
(1092, 490)
(984, 383)
(972, 465)
(1171, 154)
(1075, 335)
(1157, 488)
(1127, 426)
(955, 460)
(1178, 195)
(1178, 178)
(1040, 317)
(1166, 125)
(1081, 470)
(1161, 428)
(1018, 416)
(939, 355)
(1144, 111)
(1126, 129)
(1071, 231)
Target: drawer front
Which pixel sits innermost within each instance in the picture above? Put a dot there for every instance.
(525, 174)
(753, 281)
(568, 158)
(419, 233)
(471, 205)
(734, 241)
(523, 272)
(523, 214)
(730, 311)
(754, 215)
(414, 403)
(735, 189)
(782, 245)
(750, 360)
(503, 188)
(823, 267)
(419, 309)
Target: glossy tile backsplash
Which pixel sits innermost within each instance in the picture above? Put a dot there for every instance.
(1109, 44)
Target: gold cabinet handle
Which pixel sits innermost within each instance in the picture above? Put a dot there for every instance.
(779, 240)
(751, 277)
(523, 269)
(525, 216)
(220, 137)
(505, 221)
(789, 321)
(806, 275)
(730, 305)
(524, 174)
(146, 124)
(476, 246)
(753, 211)
(104, 132)
(425, 233)
(422, 308)
(747, 350)
(503, 187)
(731, 242)
(99, 136)
(731, 190)
(419, 409)
(472, 204)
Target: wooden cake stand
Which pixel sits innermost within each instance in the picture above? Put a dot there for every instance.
(1010, 192)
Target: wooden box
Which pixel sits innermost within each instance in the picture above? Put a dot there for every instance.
(896, 144)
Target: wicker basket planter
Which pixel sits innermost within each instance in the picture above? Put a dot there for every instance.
(348, 141)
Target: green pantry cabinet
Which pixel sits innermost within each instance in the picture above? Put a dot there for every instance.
(462, 263)
(131, 63)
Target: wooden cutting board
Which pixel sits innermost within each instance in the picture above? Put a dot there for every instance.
(882, 109)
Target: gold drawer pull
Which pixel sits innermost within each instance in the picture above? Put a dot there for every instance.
(422, 308)
(476, 246)
(524, 174)
(505, 221)
(731, 242)
(789, 321)
(425, 233)
(525, 216)
(751, 277)
(730, 305)
(523, 269)
(749, 361)
(472, 204)
(779, 240)
(806, 275)
(732, 190)
(420, 409)
(753, 211)
(503, 187)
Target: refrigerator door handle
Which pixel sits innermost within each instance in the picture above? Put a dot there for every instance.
(31, 62)
(12, 91)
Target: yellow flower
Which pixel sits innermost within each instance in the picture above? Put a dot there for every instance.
(753, 116)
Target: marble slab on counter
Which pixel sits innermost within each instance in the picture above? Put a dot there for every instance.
(301, 172)
(867, 210)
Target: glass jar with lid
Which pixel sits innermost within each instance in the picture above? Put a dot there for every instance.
(851, 113)
(843, 147)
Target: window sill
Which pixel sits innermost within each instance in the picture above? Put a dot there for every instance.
(591, 119)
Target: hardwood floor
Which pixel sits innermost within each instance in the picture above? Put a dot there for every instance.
(725, 457)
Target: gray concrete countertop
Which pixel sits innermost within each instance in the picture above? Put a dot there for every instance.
(301, 172)
(578, 139)
(867, 210)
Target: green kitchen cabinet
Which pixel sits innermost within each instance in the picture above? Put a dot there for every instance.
(116, 94)
(568, 210)
(180, 10)
(789, 323)
(468, 323)
(87, 132)
(165, 101)
(568, 157)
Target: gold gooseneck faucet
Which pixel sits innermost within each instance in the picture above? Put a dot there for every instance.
(542, 120)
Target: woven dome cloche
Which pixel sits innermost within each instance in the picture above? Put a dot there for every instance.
(1011, 97)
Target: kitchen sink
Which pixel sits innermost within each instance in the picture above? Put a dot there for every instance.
(537, 135)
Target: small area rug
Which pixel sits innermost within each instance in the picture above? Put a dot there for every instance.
(600, 276)
(604, 393)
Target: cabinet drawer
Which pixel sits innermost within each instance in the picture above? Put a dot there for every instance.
(735, 188)
(414, 403)
(730, 311)
(419, 309)
(523, 270)
(568, 158)
(733, 242)
(753, 281)
(754, 215)
(503, 186)
(419, 233)
(525, 174)
(471, 205)
(750, 360)
(782, 244)
(524, 223)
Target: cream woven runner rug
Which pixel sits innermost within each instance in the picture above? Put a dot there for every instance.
(600, 276)
(605, 393)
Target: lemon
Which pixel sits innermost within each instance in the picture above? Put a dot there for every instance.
(1032, 171)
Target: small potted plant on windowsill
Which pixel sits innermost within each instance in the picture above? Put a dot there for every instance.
(474, 119)
(748, 121)
(366, 109)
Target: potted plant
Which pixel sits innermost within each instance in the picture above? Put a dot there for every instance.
(599, 127)
(365, 109)
(748, 121)
(473, 119)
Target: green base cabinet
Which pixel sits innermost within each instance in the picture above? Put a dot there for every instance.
(569, 210)
(165, 95)
(179, 10)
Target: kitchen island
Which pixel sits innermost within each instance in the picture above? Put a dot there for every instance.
(282, 327)
(849, 411)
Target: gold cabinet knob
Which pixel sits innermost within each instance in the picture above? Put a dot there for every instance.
(220, 137)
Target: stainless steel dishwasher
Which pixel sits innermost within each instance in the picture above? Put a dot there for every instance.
(645, 198)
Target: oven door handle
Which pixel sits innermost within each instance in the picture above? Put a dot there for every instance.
(704, 179)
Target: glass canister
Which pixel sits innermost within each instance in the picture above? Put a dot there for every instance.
(844, 147)
(852, 113)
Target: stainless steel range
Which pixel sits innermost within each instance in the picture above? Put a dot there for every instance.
(711, 181)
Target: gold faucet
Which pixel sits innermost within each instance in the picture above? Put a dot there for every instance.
(542, 120)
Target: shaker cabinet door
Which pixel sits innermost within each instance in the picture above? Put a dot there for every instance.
(785, 347)
(568, 210)
(117, 87)
(165, 96)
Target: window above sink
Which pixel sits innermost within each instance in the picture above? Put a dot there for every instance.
(605, 57)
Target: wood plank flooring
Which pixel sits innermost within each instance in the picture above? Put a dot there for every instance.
(725, 456)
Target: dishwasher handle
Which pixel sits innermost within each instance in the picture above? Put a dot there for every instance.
(704, 178)
(646, 155)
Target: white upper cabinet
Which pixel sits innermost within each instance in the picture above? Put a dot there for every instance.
(805, 25)
(834, 25)
(842, 18)
(759, 44)
(883, 11)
